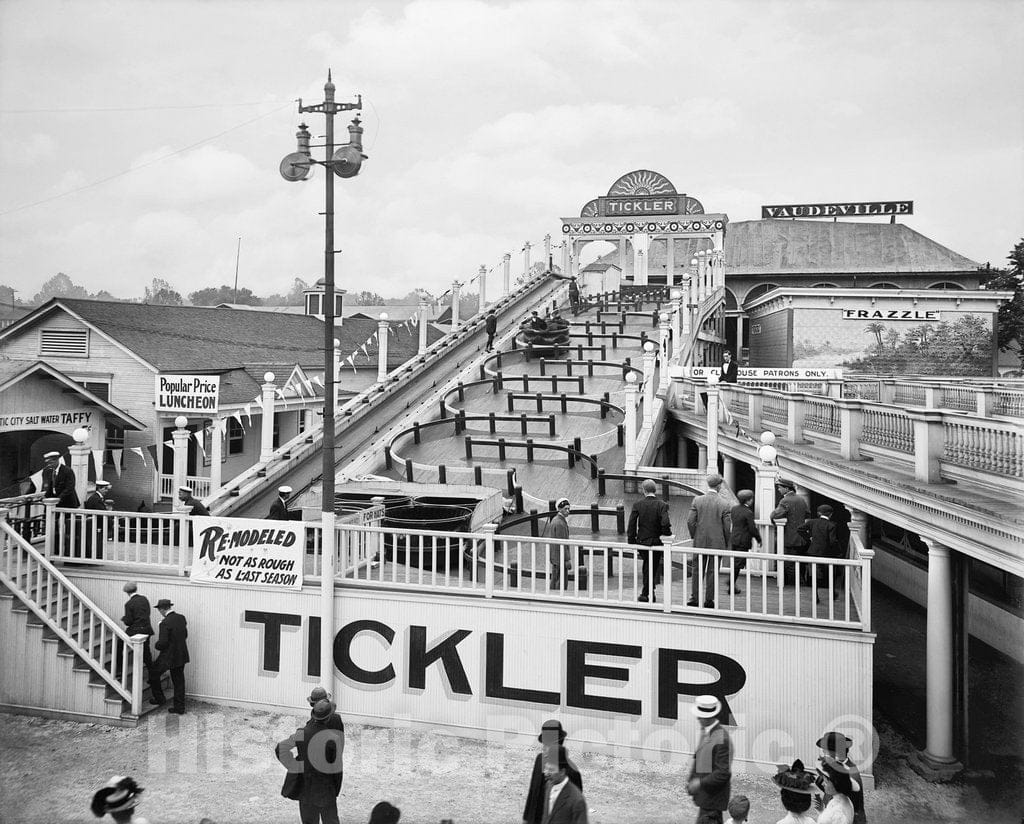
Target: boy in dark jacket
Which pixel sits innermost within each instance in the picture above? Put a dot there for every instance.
(823, 542)
(744, 532)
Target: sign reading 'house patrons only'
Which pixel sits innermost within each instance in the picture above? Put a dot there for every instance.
(187, 394)
(247, 551)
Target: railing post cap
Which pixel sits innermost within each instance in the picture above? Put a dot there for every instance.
(489, 528)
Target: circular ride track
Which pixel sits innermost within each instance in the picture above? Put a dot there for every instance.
(544, 420)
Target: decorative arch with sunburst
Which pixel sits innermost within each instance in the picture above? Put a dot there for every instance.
(641, 182)
(590, 209)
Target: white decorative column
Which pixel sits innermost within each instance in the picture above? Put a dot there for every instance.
(506, 263)
(765, 475)
(684, 307)
(482, 277)
(566, 258)
(739, 338)
(937, 762)
(649, 363)
(859, 524)
(670, 260)
(702, 458)
(423, 326)
(217, 428)
(383, 338)
(622, 255)
(456, 289)
(526, 260)
(665, 354)
(677, 319)
(179, 437)
(641, 245)
(267, 428)
(729, 472)
(80, 452)
(547, 247)
(630, 422)
(713, 401)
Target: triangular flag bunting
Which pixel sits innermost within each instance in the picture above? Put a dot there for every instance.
(151, 449)
(37, 480)
(138, 451)
(97, 462)
(116, 454)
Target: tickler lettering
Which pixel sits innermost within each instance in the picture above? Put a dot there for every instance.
(588, 664)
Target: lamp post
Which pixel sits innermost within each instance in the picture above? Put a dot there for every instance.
(343, 162)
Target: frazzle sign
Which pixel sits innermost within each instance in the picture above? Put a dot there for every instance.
(187, 394)
(248, 551)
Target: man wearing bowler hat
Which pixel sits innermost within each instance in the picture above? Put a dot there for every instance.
(318, 758)
(318, 694)
(279, 509)
(173, 654)
(711, 772)
(551, 737)
(836, 748)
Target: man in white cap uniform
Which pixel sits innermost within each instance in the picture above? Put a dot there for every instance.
(97, 501)
(279, 509)
(711, 773)
(192, 505)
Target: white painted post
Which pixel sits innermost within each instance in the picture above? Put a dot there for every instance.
(851, 424)
(712, 423)
(80, 452)
(729, 472)
(702, 457)
(687, 298)
(137, 662)
(50, 519)
(489, 531)
(456, 287)
(928, 444)
(526, 260)
(217, 429)
(383, 338)
(678, 304)
(630, 422)
(665, 352)
(649, 356)
(547, 247)
(796, 411)
(327, 628)
(179, 438)
(423, 326)
(267, 427)
(506, 263)
(858, 524)
(482, 277)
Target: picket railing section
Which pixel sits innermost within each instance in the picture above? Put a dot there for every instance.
(26, 514)
(71, 616)
(983, 446)
(201, 487)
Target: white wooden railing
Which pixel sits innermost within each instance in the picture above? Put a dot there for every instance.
(72, 616)
(201, 486)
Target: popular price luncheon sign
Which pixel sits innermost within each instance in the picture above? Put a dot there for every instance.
(248, 551)
(187, 394)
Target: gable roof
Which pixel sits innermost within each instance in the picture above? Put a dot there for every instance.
(47, 372)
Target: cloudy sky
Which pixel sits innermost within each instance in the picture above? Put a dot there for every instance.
(141, 139)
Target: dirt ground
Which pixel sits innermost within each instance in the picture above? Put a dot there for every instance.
(218, 762)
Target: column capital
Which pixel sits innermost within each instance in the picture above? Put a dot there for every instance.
(935, 548)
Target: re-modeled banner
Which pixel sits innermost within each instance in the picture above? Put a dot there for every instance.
(781, 374)
(248, 551)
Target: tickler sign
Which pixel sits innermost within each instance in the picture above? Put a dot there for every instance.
(187, 394)
(588, 666)
(248, 551)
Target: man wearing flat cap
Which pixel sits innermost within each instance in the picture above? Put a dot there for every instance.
(710, 778)
(279, 509)
(551, 737)
(189, 504)
(173, 654)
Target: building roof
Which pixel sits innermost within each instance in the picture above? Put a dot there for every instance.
(818, 247)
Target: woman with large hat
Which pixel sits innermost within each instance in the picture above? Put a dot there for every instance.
(797, 791)
(118, 799)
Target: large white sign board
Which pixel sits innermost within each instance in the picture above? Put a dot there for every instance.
(248, 551)
(187, 394)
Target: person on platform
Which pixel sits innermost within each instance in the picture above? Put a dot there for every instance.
(710, 778)
(823, 542)
(793, 508)
(730, 370)
(559, 555)
(318, 756)
(836, 747)
(59, 482)
(574, 295)
(191, 505)
(796, 786)
(563, 803)
(137, 621)
(744, 533)
(710, 527)
(118, 798)
(171, 642)
(96, 501)
(648, 524)
(491, 328)
(536, 322)
(551, 737)
(279, 509)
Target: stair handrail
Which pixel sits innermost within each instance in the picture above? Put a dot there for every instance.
(130, 692)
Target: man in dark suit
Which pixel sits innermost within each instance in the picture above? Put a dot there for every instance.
(744, 532)
(710, 528)
(318, 757)
(648, 522)
(730, 370)
(822, 542)
(279, 509)
(491, 328)
(563, 802)
(794, 509)
(711, 772)
(551, 735)
(136, 620)
(59, 483)
(193, 506)
(96, 501)
(173, 654)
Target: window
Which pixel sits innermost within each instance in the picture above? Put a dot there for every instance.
(101, 389)
(276, 440)
(64, 343)
(113, 439)
(314, 304)
(236, 437)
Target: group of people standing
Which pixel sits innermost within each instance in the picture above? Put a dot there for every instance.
(171, 644)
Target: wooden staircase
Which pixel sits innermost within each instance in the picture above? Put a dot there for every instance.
(60, 655)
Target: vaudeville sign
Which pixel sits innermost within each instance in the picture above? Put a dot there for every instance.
(248, 551)
(187, 394)
(866, 209)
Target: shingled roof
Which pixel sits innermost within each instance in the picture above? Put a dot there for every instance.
(199, 338)
(773, 247)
